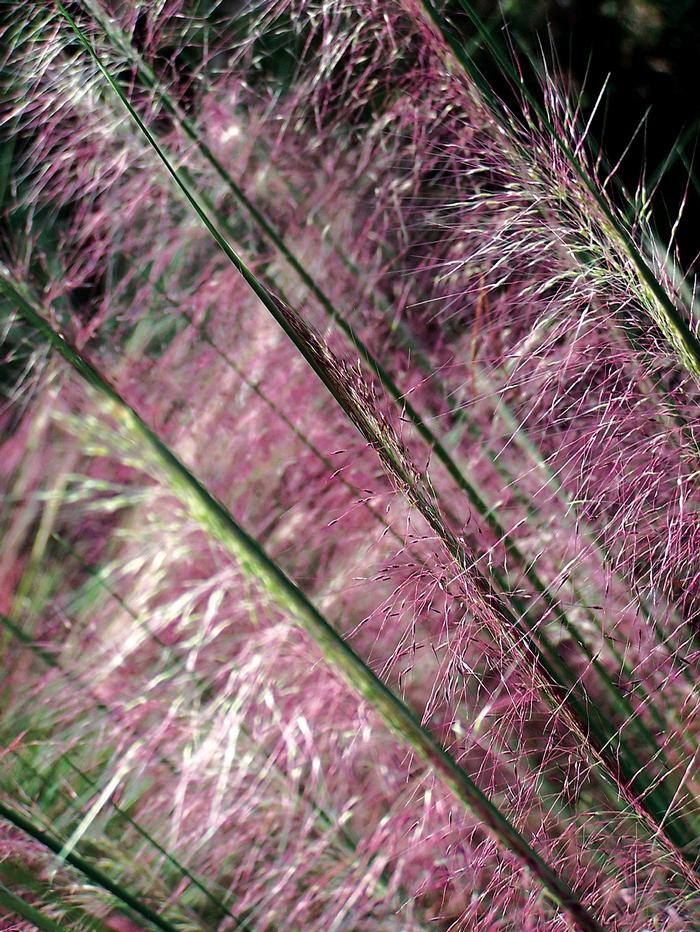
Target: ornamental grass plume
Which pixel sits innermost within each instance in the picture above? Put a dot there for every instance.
(349, 454)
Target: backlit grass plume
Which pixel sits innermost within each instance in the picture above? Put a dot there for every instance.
(350, 573)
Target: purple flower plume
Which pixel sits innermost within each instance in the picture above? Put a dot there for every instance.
(162, 715)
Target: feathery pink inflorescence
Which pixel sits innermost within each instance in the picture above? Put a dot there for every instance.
(480, 272)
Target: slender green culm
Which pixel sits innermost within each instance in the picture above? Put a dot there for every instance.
(88, 870)
(20, 907)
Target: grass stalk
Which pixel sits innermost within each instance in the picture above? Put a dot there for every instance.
(92, 873)
(20, 907)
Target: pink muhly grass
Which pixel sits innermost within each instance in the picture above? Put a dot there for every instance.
(164, 721)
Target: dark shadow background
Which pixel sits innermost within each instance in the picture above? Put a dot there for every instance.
(651, 50)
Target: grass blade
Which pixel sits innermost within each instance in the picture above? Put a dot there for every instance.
(96, 876)
(20, 907)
